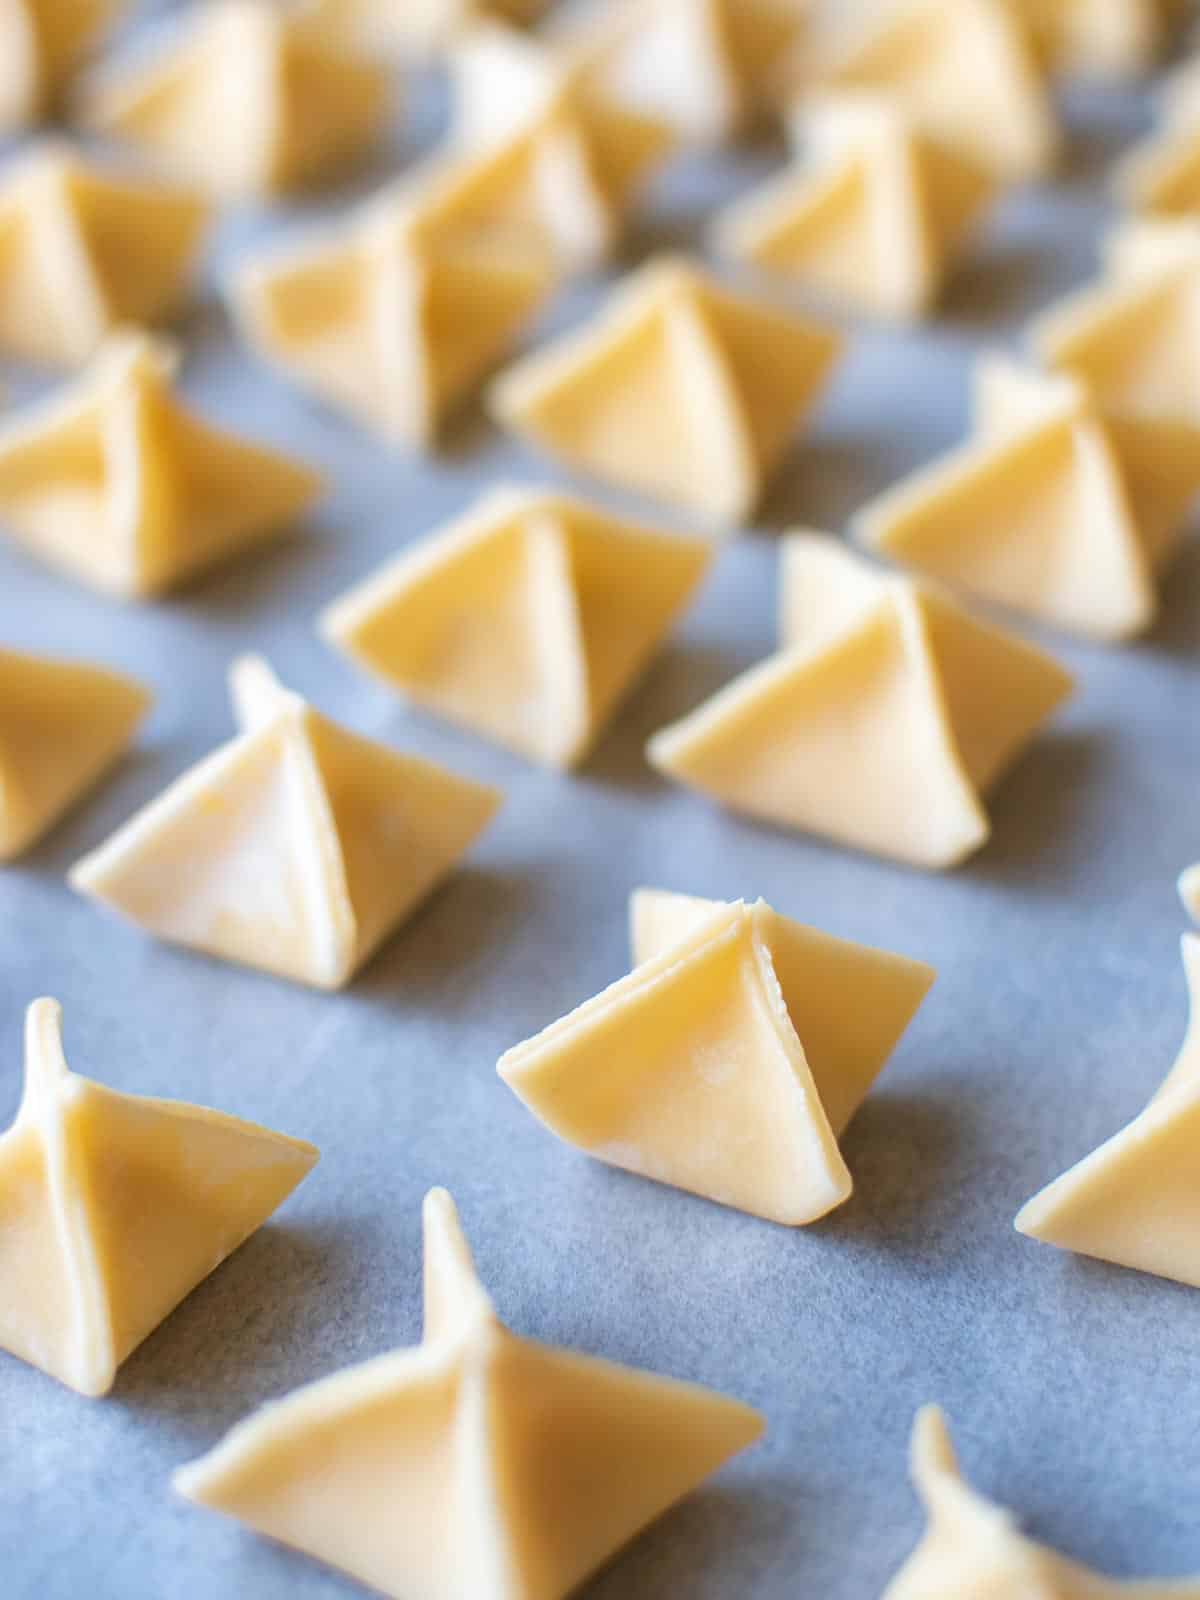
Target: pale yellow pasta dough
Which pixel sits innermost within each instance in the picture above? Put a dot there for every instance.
(63, 724)
(679, 389)
(478, 1463)
(85, 248)
(527, 619)
(115, 482)
(113, 1207)
(248, 99)
(296, 848)
(730, 1059)
(974, 1550)
(1053, 508)
(1136, 1200)
(880, 724)
(873, 213)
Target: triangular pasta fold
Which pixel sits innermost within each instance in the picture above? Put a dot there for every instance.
(114, 482)
(296, 848)
(1133, 337)
(974, 1547)
(479, 1463)
(878, 725)
(84, 249)
(245, 99)
(679, 390)
(966, 69)
(578, 155)
(526, 620)
(42, 43)
(63, 724)
(1108, 40)
(1135, 1200)
(1049, 508)
(707, 69)
(692, 1070)
(394, 316)
(872, 214)
(114, 1207)
(415, 32)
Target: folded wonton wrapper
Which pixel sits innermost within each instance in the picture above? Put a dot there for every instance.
(1051, 509)
(479, 1463)
(871, 216)
(1134, 337)
(85, 248)
(1189, 890)
(114, 1207)
(248, 99)
(887, 714)
(706, 68)
(527, 619)
(1136, 1200)
(296, 848)
(730, 1060)
(63, 724)
(394, 316)
(114, 482)
(964, 68)
(582, 153)
(679, 389)
(974, 1550)
(42, 42)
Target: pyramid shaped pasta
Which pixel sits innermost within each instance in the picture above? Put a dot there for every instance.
(420, 30)
(527, 619)
(706, 67)
(296, 848)
(63, 724)
(1106, 39)
(115, 483)
(884, 719)
(578, 153)
(115, 1207)
(394, 316)
(731, 1058)
(966, 69)
(42, 42)
(972, 1547)
(478, 1464)
(248, 99)
(83, 249)
(679, 389)
(871, 216)
(1136, 1200)
(1134, 337)
(1049, 509)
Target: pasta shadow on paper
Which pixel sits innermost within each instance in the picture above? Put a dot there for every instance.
(277, 1313)
(240, 587)
(997, 286)
(907, 1151)
(1039, 810)
(1177, 628)
(681, 678)
(437, 953)
(827, 478)
(687, 1550)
